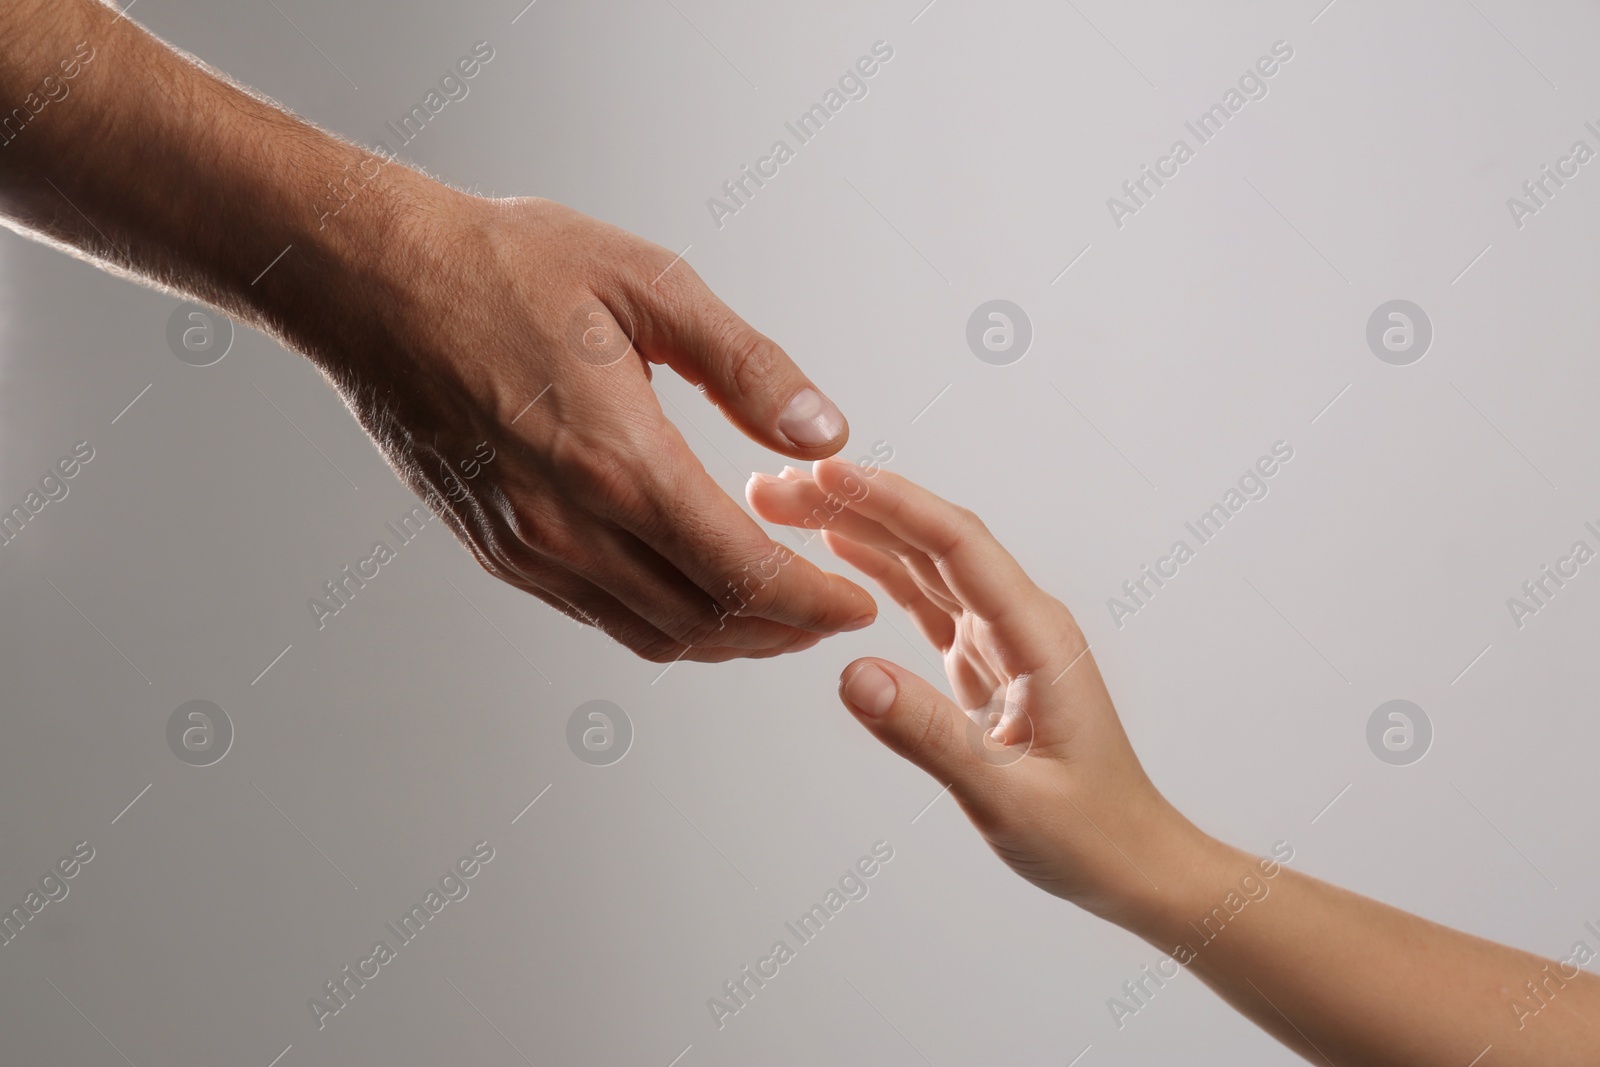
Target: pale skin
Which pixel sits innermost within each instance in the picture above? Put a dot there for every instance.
(1033, 750)
(440, 317)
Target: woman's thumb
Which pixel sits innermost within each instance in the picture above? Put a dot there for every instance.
(914, 719)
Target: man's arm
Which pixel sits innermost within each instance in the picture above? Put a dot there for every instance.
(149, 163)
(440, 317)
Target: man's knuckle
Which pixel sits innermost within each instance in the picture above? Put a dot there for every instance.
(609, 472)
(752, 588)
(752, 361)
(544, 539)
(746, 594)
(700, 628)
(529, 527)
(614, 480)
(594, 467)
(656, 648)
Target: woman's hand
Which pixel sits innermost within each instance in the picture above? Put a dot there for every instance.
(1041, 765)
(1031, 746)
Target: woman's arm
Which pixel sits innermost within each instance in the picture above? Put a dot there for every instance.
(1042, 766)
(1341, 978)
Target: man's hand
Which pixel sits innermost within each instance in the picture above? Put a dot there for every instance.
(529, 337)
(498, 351)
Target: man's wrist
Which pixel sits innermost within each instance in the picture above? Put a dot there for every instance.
(368, 237)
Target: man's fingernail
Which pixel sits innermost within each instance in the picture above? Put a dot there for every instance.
(791, 473)
(810, 420)
(857, 624)
(764, 477)
(870, 690)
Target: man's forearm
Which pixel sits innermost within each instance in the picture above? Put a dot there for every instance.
(147, 161)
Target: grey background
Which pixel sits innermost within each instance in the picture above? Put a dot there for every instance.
(1223, 317)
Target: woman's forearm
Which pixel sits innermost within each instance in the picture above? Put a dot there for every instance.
(1344, 979)
(1038, 759)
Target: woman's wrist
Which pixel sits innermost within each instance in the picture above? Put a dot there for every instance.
(1161, 872)
(1203, 884)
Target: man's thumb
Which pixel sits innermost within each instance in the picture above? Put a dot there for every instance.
(752, 380)
(917, 721)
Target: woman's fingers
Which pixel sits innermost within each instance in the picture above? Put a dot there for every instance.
(979, 572)
(973, 683)
(893, 578)
(795, 499)
(982, 574)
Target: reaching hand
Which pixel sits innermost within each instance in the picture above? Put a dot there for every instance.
(498, 351)
(525, 333)
(1034, 752)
